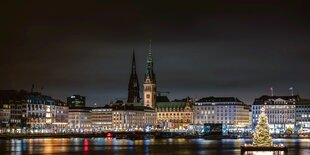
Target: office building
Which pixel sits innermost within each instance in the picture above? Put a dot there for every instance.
(101, 118)
(280, 110)
(229, 111)
(76, 101)
(79, 120)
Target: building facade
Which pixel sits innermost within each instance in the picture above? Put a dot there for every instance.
(150, 87)
(150, 118)
(4, 117)
(11, 102)
(229, 111)
(131, 118)
(76, 101)
(79, 120)
(303, 116)
(101, 118)
(174, 115)
(31, 112)
(38, 119)
(45, 114)
(61, 116)
(280, 110)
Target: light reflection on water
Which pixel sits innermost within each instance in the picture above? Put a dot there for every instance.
(87, 146)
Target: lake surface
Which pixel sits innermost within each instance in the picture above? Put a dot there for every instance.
(105, 146)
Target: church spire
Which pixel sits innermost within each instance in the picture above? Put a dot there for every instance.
(133, 63)
(133, 86)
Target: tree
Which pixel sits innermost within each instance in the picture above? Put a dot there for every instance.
(262, 137)
(289, 130)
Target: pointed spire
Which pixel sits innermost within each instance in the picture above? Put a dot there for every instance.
(133, 86)
(133, 63)
(149, 74)
(149, 58)
(150, 48)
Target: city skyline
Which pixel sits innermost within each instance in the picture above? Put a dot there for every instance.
(266, 91)
(199, 50)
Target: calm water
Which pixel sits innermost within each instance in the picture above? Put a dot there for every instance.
(106, 146)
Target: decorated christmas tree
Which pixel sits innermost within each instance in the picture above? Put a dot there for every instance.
(262, 136)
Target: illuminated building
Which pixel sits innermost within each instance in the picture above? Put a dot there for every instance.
(11, 107)
(280, 110)
(76, 101)
(174, 115)
(32, 112)
(229, 111)
(149, 85)
(80, 120)
(303, 116)
(61, 116)
(129, 117)
(45, 114)
(250, 115)
(149, 117)
(7, 97)
(101, 118)
(4, 117)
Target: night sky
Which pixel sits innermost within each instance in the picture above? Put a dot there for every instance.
(217, 48)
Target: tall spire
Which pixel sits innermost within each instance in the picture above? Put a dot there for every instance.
(149, 65)
(149, 60)
(149, 84)
(150, 48)
(133, 86)
(133, 63)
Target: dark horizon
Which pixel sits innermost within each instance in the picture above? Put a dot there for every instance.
(237, 49)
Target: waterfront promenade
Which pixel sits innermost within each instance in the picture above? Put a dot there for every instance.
(139, 135)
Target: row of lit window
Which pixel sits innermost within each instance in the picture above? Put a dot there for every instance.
(217, 107)
(212, 117)
(174, 114)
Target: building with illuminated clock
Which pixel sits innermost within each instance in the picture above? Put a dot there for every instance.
(150, 86)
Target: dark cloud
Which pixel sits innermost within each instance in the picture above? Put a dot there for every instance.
(221, 48)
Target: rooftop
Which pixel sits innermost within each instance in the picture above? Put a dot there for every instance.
(304, 102)
(265, 98)
(219, 99)
(170, 104)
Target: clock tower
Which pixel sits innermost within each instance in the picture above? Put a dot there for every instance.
(149, 84)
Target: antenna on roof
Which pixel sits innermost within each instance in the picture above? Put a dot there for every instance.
(271, 90)
(292, 91)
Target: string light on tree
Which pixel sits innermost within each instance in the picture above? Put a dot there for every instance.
(262, 136)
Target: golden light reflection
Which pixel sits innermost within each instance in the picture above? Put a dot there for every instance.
(265, 153)
(47, 145)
